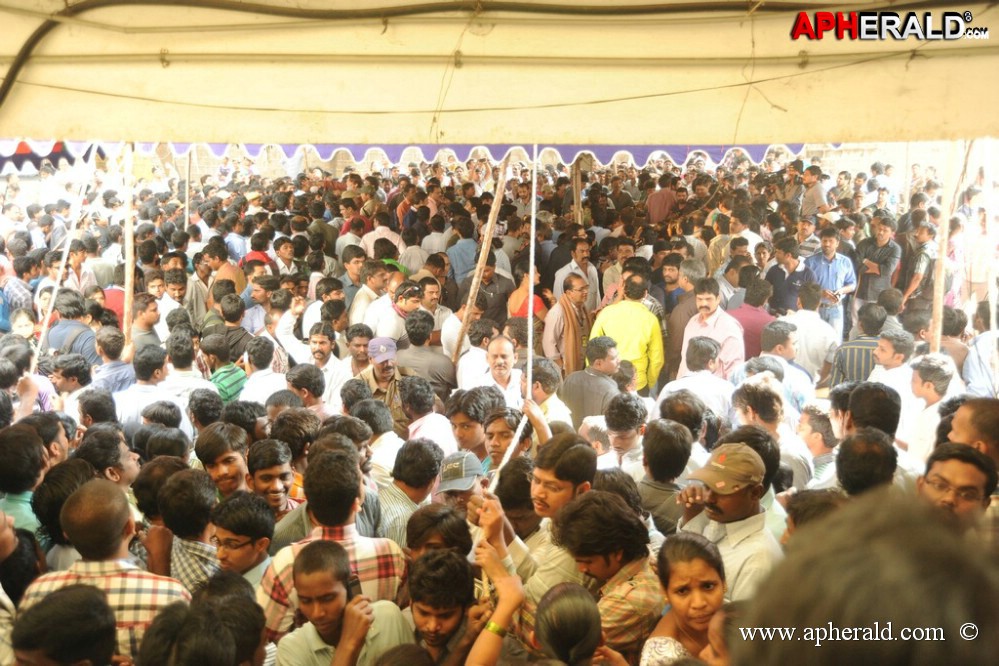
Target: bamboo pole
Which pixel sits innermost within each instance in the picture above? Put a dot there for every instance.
(129, 234)
(480, 266)
(577, 193)
(939, 267)
(187, 194)
(532, 270)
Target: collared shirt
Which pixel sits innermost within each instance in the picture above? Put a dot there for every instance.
(639, 338)
(854, 360)
(753, 319)
(389, 395)
(659, 499)
(786, 285)
(261, 385)
(305, 647)
(816, 341)
(130, 403)
(887, 258)
(590, 275)
(229, 380)
(462, 255)
(630, 605)
(18, 506)
(397, 507)
(748, 551)
(113, 376)
(430, 363)
(809, 247)
(192, 562)
(18, 294)
(255, 575)
(384, 449)
(472, 368)
(553, 339)
(554, 409)
(832, 274)
(378, 563)
(511, 393)
(437, 428)
(631, 461)
(709, 387)
(181, 383)
(723, 328)
(980, 372)
(134, 595)
(587, 393)
(364, 297)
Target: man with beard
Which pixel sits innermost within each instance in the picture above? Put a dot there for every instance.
(713, 322)
(959, 480)
(382, 377)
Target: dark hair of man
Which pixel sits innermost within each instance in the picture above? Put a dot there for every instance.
(618, 482)
(761, 441)
(245, 514)
(375, 413)
(185, 502)
(205, 405)
(473, 404)
(970, 456)
(819, 422)
(481, 331)
(46, 424)
(546, 373)
(180, 320)
(352, 252)
(761, 398)
(267, 453)
(296, 427)
(891, 300)
(810, 295)
(749, 274)
(600, 523)
(359, 331)
(243, 414)
(220, 438)
(954, 321)
(514, 486)
(22, 459)
(260, 352)
(775, 333)
(666, 445)
(635, 287)
(333, 484)
(69, 304)
(167, 442)
(151, 478)
(442, 579)
(183, 634)
(370, 268)
(419, 326)
(807, 506)
(787, 245)
(707, 285)
(20, 567)
(866, 459)
(222, 288)
(94, 519)
(164, 413)
(73, 366)
(875, 405)
(354, 391)
(175, 276)
(839, 395)
(139, 305)
(902, 342)
(148, 360)
(323, 557)
(308, 377)
(442, 520)
(569, 457)
(418, 463)
(71, 625)
(599, 347)
(626, 411)
(356, 430)
(701, 350)
(284, 398)
(417, 394)
(901, 542)
(98, 404)
(59, 483)
(686, 408)
(687, 547)
(871, 318)
(233, 308)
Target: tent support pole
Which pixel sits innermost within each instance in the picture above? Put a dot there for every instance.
(480, 266)
(129, 232)
(577, 193)
(187, 195)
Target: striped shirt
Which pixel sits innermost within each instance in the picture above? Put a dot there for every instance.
(630, 604)
(854, 360)
(397, 507)
(134, 595)
(229, 380)
(378, 563)
(192, 562)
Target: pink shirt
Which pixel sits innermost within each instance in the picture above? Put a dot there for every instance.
(753, 319)
(724, 329)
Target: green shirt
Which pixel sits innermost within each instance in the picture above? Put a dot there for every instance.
(229, 380)
(19, 506)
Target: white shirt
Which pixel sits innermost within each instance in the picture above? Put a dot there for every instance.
(473, 368)
(436, 428)
(630, 462)
(434, 242)
(449, 336)
(166, 305)
(923, 433)
(364, 297)
(380, 308)
(130, 403)
(900, 379)
(592, 278)
(511, 393)
(440, 316)
(384, 450)
(754, 239)
(311, 316)
(261, 385)
(816, 342)
(706, 385)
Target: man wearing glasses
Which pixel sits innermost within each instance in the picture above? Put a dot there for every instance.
(959, 480)
(244, 527)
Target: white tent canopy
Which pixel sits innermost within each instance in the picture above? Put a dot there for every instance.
(552, 73)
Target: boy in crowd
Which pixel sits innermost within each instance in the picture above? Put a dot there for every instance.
(244, 527)
(221, 448)
(269, 474)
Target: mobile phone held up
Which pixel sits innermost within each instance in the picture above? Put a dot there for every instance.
(354, 588)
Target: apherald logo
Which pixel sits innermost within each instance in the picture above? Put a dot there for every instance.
(886, 25)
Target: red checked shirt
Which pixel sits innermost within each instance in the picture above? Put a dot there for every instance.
(134, 595)
(378, 563)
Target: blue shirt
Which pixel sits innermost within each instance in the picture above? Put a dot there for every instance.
(978, 373)
(462, 256)
(786, 286)
(832, 274)
(113, 376)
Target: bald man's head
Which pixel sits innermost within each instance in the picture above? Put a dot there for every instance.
(94, 519)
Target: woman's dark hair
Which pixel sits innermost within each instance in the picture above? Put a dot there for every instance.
(687, 547)
(567, 624)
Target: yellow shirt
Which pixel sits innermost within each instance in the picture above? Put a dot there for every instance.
(638, 336)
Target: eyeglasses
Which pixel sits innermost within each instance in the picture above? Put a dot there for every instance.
(229, 545)
(963, 494)
(581, 289)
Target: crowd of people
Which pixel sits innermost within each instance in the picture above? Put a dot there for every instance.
(710, 404)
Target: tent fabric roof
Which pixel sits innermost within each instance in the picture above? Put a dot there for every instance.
(555, 73)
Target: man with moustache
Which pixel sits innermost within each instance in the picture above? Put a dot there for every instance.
(713, 322)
